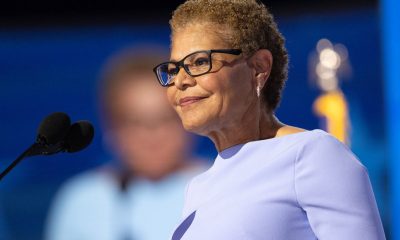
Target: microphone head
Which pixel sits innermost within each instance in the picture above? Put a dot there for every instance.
(53, 128)
(80, 135)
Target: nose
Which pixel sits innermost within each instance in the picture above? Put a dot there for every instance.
(183, 80)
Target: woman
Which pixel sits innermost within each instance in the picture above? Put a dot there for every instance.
(270, 180)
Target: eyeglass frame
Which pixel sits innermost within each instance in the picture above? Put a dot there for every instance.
(180, 64)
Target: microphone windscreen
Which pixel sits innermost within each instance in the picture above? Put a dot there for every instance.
(54, 128)
(79, 136)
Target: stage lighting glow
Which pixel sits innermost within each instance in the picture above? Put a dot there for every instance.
(329, 84)
(324, 72)
(323, 44)
(329, 58)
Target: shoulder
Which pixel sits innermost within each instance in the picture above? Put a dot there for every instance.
(305, 136)
(323, 152)
(293, 141)
(87, 185)
(77, 201)
(287, 130)
(321, 141)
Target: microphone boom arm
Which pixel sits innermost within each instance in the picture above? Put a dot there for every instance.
(35, 149)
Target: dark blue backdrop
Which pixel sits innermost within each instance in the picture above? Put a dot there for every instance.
(43, 70)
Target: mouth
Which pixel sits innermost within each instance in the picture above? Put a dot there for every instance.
(189, 100)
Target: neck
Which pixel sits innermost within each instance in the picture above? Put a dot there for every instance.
(249, 128)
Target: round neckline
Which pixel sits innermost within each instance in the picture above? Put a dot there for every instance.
(233, 150)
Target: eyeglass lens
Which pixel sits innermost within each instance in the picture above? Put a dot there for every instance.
(194, 64)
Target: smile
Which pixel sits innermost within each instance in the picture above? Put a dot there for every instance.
(189, 100)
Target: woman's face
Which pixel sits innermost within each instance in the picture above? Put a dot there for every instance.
(219, 99)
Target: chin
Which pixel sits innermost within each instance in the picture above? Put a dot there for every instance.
(196, 119)
(193, 128)
(196, 125)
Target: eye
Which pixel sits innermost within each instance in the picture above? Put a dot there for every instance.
(201, 62)
(172, 71)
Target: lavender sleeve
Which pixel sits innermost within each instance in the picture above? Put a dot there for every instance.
(334, 190)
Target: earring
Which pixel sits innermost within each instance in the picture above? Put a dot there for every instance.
(258, 91)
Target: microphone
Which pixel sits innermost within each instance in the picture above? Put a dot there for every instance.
(56, 134)
(51, 133)
(80, 135)
(53, 128)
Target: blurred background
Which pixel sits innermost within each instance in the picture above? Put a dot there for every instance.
(52, 53)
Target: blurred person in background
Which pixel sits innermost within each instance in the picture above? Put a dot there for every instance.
(140, 196)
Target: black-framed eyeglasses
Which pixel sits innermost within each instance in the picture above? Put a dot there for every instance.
(195, 64)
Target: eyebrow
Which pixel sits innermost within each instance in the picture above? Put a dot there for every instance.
(173, 60)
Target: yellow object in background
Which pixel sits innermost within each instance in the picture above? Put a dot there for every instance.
(332, 106)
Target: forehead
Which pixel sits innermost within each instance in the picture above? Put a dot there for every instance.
(195, 37)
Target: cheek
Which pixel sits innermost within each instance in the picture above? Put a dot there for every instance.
(171, 95)
(241, 85)
(231, 92)
(234, 98)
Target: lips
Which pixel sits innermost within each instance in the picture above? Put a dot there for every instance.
(189, 100)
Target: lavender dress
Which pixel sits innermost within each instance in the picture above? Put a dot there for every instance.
(301, 186)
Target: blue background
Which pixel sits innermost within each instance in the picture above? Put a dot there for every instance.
(43, 70)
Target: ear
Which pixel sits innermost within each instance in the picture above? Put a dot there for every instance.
(261, 61)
